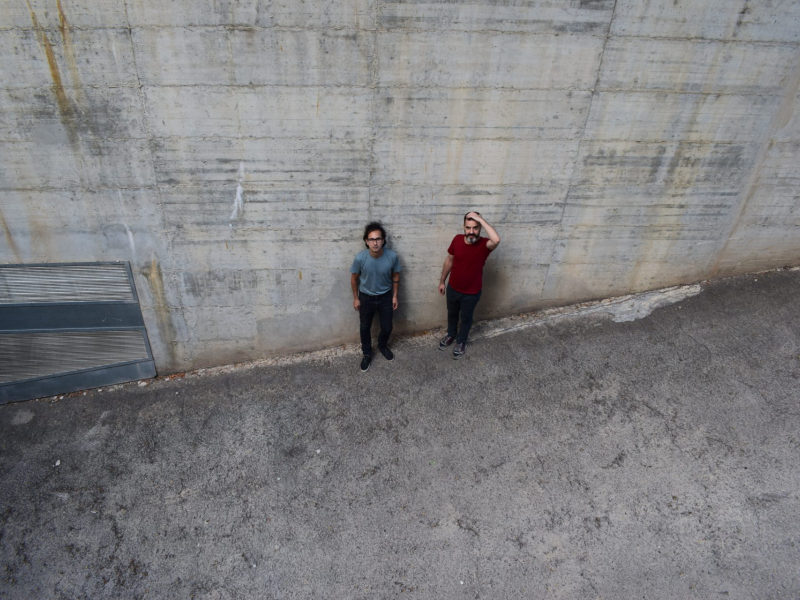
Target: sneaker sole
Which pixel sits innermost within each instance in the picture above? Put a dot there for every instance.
(367, 369)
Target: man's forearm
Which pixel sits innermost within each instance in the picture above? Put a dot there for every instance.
(490, 231)
(448, 264)
(354, 287)
(395, 284)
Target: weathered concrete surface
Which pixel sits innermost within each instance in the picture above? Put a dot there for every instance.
(572, 457)
(233, 150)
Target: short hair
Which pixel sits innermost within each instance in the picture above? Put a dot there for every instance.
(374, 226)
(476, 212)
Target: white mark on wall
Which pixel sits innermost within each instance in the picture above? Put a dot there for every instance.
(128, 232)
(238, 203)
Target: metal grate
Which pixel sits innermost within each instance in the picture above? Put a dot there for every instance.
(57, 283)
(31, 355)
(68, 327)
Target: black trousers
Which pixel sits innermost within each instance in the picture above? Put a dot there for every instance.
(369, 306)
(460, 307)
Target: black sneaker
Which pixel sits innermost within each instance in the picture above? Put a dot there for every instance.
(446, 341)
(459, 350)
(387, 354)
(365, 362)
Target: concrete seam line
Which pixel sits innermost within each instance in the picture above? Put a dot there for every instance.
(247, 27)
(399, 87)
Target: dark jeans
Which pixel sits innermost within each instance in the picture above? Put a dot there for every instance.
(463, 305)
(369, 306)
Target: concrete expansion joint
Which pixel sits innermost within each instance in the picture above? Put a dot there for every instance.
(133, 85)
(701, 40)
(683, 142)
(506, 32)
(231, 27)
(461, 186)
(687, 92)
(477, 138)
(90, 138)
(481, 88)
(399, 86)
(238, 86)
(404, 30)
(365, 138)
(348, 86)
(79, 188)
(56, 28)
(215, 137)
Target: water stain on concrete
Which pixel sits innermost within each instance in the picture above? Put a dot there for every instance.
(740, 20)
(781, 118)
(655, 164)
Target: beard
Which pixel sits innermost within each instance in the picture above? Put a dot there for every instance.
(472, 238)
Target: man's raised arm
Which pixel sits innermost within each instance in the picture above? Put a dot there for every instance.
(494, 239)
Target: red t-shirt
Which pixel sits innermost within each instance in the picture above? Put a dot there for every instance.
(466, 275)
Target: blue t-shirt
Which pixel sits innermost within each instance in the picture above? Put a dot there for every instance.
(375, 274)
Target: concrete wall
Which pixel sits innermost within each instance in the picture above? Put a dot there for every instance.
(232, 150)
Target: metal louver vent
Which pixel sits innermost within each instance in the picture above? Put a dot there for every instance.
(30, 355)
(68, 327)
(79, 283)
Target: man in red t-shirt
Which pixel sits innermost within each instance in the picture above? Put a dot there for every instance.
(464, 263)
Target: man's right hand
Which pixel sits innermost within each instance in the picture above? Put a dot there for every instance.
(356, 303)
(441, 289)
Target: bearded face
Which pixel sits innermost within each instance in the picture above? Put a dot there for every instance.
(472, 231)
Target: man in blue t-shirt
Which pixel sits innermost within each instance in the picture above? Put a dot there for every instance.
(375, 278)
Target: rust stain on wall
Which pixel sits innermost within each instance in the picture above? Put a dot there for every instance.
(166, 329)
(62, 21)
(69, 51)
(9, 238)
(65, 109)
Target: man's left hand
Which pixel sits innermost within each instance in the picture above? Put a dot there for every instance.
(473, 216)
(395, 303)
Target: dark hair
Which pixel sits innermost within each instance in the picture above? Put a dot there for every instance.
(476, 212)
(374, 226)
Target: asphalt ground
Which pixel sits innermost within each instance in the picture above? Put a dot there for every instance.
(575, 457)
